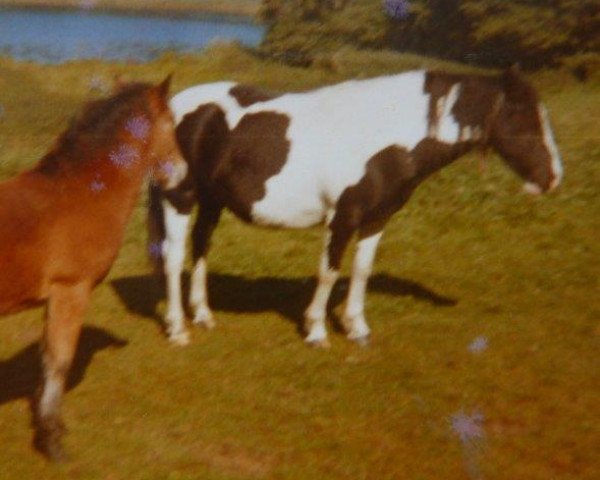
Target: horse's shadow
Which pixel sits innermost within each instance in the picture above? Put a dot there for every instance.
(21, 374)
(287, 296)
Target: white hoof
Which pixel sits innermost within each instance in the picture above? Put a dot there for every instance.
(357, 328)
(205, 319)
(180, 339)
(361, 341)
(318, 344)
(317, 334)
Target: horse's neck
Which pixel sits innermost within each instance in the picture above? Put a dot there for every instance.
(97, 184)
(431, 155)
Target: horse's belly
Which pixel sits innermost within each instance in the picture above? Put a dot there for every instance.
(295, 208)
(20, 287)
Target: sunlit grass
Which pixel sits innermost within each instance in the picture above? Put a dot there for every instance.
(468, 257)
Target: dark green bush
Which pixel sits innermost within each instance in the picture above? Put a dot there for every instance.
(535, 33)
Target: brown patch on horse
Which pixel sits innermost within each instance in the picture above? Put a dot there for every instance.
(257, 150)
(431, 155)
(389, 179)
(247, 95)
(201, 135)
(477, 104)
(517, 131)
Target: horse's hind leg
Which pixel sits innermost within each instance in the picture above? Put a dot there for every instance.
(354, 318)
(176, 225)
(203, 229)
(314, 317)
(64, 316)
(337, 238)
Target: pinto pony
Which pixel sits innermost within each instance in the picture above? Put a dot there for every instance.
(349, 155)
(62, 222)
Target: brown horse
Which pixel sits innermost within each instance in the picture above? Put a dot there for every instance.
(62, 222)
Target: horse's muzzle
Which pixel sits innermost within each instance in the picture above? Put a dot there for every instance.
(171, 173)
(533, 188)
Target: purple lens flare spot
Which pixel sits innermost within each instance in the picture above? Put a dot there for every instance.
(478, 345)
(139, 127)
(97, 185)
(397, 9)
(155, 250)
(468, 428)
(125, 156)
(87, 4)
(167, 167)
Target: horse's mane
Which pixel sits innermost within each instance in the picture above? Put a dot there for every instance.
(95, 127)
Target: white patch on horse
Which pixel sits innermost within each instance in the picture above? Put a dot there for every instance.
(550, 143)
(434, 129)
(448, 128)
(189, 100)
(333, 133)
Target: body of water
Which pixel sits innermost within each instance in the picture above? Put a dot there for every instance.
(56, 36)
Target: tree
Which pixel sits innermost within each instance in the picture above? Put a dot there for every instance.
(484, 32)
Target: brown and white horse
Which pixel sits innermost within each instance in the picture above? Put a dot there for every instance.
(62, 222)
(349, 155)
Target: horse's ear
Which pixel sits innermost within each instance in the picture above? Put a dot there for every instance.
(165, 85)
(516, 86)
(514, 69)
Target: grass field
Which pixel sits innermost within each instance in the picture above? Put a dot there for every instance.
(470, 259)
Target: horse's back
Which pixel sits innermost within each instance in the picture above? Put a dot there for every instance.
(291, 156)
(189, 100)
(333, 133)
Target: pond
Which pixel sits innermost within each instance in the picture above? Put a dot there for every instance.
(55, 36)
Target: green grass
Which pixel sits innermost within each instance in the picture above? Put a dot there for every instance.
(249, 400)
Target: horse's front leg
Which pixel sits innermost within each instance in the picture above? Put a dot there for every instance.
(64, 315)
(354, 318)
(208, 218)
(176, 226)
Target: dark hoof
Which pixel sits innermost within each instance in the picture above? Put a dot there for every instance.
(47, 440)
(50, 446)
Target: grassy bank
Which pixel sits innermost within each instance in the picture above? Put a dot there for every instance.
(245, 8)
(469, 257)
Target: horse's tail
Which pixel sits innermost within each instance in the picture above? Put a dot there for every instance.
(156, 227)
